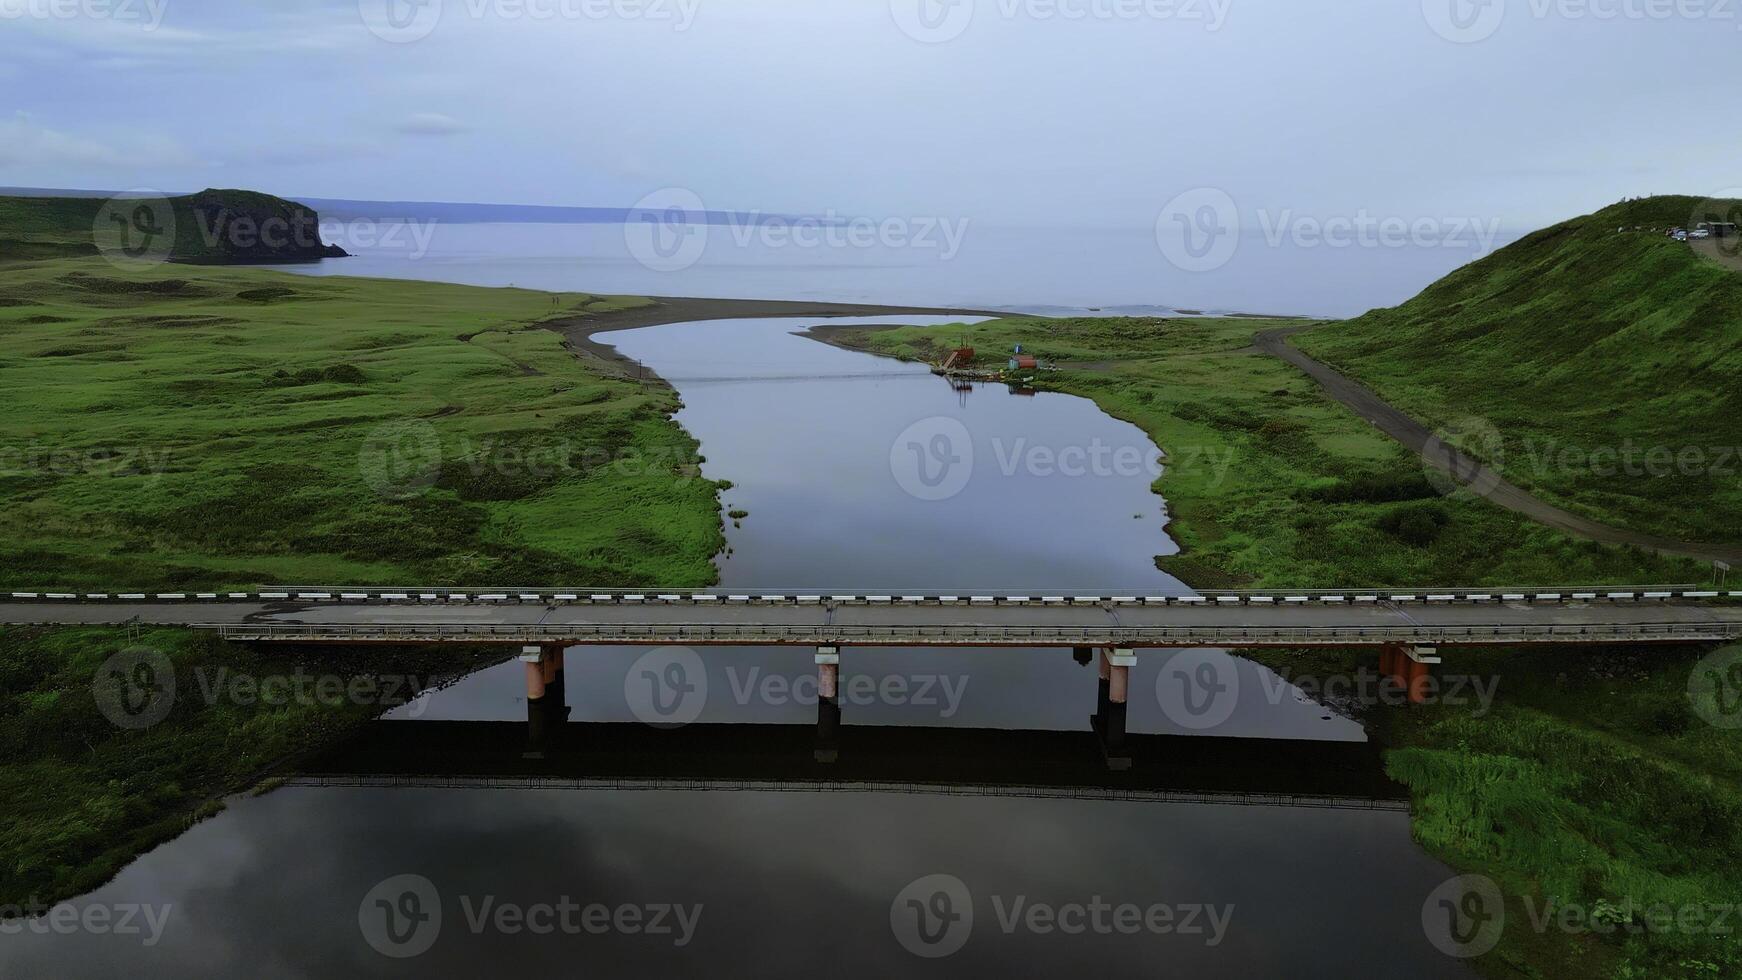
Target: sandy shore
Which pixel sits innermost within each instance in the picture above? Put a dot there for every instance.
(581, 331)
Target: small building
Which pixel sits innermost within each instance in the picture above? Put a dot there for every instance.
(1023, 362)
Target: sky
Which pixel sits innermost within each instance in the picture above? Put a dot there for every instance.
(1090, 113)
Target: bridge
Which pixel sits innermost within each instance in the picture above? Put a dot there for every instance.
(1422, 617)
(1408, 628)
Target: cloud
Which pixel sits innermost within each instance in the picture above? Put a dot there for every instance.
(430, 124)
(24, 143)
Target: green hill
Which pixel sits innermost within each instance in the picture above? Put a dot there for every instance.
(213, 227)
(1597, 363)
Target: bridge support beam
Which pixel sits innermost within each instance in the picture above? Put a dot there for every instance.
(828, 704)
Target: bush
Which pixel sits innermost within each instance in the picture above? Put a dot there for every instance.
(1417, 526)
(1378, 488)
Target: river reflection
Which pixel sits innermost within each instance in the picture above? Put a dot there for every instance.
(797, 866)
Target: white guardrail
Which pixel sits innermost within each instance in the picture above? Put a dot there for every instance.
(304, 595)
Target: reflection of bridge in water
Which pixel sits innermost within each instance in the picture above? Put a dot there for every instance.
(549, 752)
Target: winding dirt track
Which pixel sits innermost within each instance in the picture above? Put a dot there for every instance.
(1473, 475)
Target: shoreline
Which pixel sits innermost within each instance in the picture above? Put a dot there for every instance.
(579, 330)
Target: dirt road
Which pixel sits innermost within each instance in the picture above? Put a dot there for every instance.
(1473, 475)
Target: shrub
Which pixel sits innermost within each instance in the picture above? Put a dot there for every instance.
(1417, 526)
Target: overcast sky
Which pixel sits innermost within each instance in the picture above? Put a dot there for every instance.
(1007, 110)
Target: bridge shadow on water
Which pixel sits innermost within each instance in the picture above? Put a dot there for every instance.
(548, 751)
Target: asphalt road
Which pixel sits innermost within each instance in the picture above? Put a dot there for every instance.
(899, 624)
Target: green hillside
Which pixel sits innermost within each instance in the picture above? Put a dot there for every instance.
(213, 227)
(1568, 354)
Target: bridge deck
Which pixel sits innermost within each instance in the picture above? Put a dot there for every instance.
(1349, 621)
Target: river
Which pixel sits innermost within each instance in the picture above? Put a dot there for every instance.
(833, 455)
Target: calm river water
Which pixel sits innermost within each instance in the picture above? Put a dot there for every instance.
(858, 473)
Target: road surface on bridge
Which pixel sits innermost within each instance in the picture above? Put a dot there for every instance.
(1191, 621)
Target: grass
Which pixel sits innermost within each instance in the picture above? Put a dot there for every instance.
(1269, 482)
(83, 796)
(1590, 782)
(1579, 338)
(200, 427)
(221, 428)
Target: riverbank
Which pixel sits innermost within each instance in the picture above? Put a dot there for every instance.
(117, 740)
(581, 329)
(1591, 786)
(1269, 483)
(1589, 781)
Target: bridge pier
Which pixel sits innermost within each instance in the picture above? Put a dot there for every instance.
(533, 659)
(828, 704)
(1114, 691)
(1409, 667)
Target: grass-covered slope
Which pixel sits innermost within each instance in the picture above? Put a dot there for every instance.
(1555, 357)
(220, 428)
(213, 227)
(1269, 482)
(84, 795)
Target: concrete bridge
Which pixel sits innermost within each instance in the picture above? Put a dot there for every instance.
(1408, 628)
(1449, 617)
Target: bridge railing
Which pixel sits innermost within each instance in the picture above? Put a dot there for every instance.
(303, 595)
(977, 635)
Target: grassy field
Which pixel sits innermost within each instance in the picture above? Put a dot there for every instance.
(84, 796)
(1269, 482)
(1590, 782)
(218, 428)
(1554, 357)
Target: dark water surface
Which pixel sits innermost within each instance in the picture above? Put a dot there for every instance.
(855, 472)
